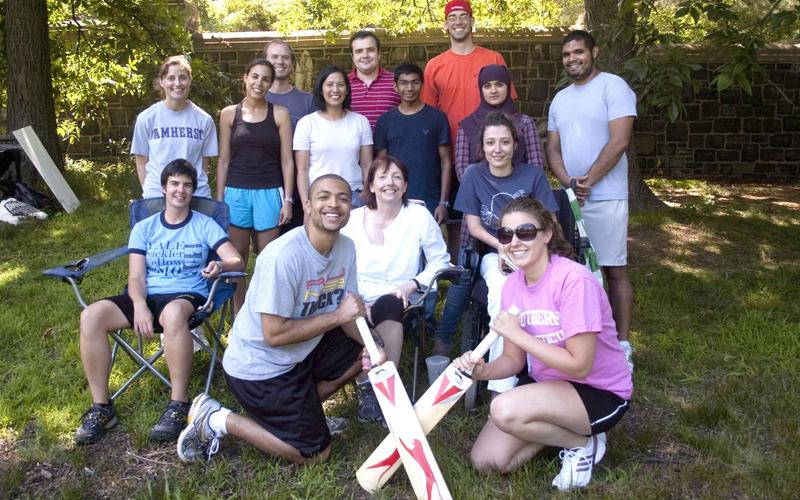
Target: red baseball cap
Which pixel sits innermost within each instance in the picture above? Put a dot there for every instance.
(454, 5)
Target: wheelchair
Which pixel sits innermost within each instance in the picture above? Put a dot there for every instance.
(475, 319)
(219, 293)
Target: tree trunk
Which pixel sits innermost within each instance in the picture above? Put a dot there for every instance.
(600, 14)
(30, 86)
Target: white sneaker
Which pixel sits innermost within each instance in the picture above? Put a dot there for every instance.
(577, 463)
(22, 209)
(199, 342)
(629, 350)
(7, 216)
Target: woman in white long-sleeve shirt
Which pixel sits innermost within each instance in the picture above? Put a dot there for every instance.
(389, 233)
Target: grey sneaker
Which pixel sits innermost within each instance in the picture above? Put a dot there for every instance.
(171, 422)
(22, 209)
(95, 422)
(336, 425)
(6, 215)
(198, 438)
(368, 408)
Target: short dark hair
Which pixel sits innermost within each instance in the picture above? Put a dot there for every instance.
(179, 167)
(358, 35)
(321, 77)
(382, 163)
(580, 35)
(497, 119)
(408, 68)
(329, 176)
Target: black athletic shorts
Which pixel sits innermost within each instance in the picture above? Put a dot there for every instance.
(605, 409)
(156, 303)
(288, 405)
(387, 307)
(454, 216)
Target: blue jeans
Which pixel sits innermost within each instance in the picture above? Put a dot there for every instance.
(454, 307)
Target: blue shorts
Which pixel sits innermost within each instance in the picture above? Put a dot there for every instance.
(258, 209)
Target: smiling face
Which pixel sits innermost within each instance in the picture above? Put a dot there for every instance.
(578, 60)
(389, 185)
(527, 255)
(334, 90)
(498, 146)
(280, 56)
(459, 25)
(257, 81)
(329, 204)
(494, 92)
(176, 83)
(178, 191)
(408, 85)
(366, 55)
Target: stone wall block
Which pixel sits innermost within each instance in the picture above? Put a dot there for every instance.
(771, 154)
(723, 125)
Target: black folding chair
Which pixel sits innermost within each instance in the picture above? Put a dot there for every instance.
(219, 293)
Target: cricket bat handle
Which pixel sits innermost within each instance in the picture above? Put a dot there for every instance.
(483, 347)
(369, 342)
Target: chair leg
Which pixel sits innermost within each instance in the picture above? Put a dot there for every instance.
(217, 343)
(136, 356)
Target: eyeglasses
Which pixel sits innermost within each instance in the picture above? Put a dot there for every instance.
(524, 232)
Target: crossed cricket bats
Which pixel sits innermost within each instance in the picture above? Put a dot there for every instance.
(411, 424)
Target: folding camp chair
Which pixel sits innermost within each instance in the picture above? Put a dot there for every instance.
(414, 315)
(219, 293)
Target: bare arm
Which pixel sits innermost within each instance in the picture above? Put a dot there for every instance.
(382, 152)
(620, 131)
(280, 331)
(441, 212)
(365, 160)
(556, 162)
(284, 122)
(301, 160)
(230, 261)
(224, 160)
(141, 167)
(137, 290)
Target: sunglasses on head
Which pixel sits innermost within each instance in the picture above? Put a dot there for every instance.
(524, 232)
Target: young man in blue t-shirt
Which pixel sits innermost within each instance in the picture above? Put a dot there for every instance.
(167, 268)
(418, 135)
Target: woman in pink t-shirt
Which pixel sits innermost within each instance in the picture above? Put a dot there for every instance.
(565, 331)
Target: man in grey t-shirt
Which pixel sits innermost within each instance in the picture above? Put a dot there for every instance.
(294, 343)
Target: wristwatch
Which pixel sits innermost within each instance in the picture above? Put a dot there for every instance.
(289, 199)
(445, 203)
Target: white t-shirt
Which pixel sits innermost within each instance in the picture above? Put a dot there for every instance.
(580, 114)
(164, 135)
(333, 146)
(382, 268)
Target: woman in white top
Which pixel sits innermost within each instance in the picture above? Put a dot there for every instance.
(333, 140)
(389, 233)
(171, 129)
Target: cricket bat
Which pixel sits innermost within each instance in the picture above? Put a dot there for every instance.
(589, 252)
(406, 433)
(431, 408)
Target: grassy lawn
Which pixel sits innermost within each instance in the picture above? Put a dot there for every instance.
(715, 412)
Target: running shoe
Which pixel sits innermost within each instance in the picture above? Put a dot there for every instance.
(95, 422)
(577, 463)
(198, 438)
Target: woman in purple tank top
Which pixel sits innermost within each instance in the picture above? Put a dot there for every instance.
(255, 165)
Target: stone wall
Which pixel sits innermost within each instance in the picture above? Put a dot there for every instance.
(727, 135)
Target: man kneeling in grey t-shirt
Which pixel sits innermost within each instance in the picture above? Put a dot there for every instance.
(294, 342)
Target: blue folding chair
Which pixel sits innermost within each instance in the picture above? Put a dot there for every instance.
(219, 293)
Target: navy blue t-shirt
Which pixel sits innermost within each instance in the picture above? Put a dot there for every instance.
(415, 140)
(485, 195)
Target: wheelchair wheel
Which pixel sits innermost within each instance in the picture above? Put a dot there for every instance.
(470, 333)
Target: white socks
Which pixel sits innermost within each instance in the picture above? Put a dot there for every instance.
(217, 421)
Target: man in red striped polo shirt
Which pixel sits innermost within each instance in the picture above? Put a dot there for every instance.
(372, 87)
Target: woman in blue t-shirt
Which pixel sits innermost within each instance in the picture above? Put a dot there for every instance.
(486, 188)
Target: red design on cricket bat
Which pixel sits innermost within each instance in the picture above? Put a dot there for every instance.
(445, 390)
(387, 462)
(418, 454)
(387, 388)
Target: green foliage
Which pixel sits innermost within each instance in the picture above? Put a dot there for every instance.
(393, 16)
(645, 35)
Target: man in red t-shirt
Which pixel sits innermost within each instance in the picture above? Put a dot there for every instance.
(451, 84)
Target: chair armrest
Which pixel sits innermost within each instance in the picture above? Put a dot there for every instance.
(221, 278)
(451, 273)
(76, 270)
